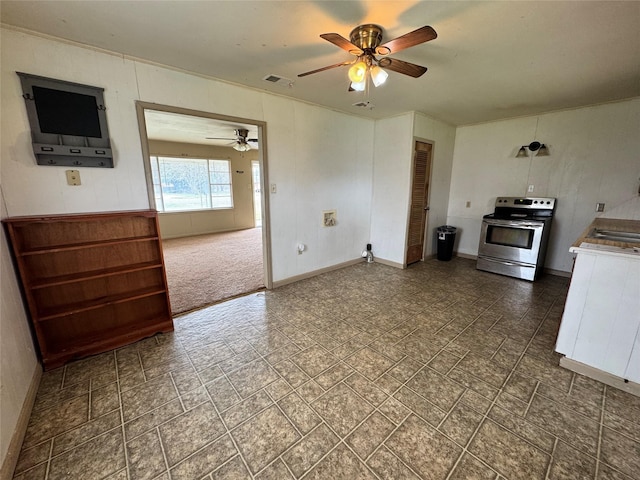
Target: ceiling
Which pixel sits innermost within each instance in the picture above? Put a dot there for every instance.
(491, 60)
(175, 127)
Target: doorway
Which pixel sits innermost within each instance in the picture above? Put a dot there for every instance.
(419, 208)
(205, 175)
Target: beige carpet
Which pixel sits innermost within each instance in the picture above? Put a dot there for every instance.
(205, 269)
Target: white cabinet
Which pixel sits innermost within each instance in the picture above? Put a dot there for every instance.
(601, 321)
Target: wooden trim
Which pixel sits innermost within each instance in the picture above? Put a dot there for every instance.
(15, 445)
(304, 276)
(601, 376)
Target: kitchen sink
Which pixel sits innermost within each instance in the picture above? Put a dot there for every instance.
(614, 235)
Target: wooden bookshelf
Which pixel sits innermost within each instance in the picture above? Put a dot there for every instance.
(92, 282)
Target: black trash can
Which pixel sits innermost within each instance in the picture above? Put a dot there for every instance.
(446, 237)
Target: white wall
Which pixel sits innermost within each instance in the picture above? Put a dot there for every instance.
(318, 160)
(393, 160)
(391, 187)
(593, 158)
(18, 361)
(442, 136)
(32, 189)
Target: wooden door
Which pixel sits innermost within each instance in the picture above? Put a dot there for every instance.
(419, 202)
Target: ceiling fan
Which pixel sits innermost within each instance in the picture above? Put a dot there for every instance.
(365, 43)
(241, 142)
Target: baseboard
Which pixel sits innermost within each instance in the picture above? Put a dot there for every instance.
(389, 263)
(557, 273)
(303, 276)
(600, 375)
(202, 234)
(465, 255)
(11, 459)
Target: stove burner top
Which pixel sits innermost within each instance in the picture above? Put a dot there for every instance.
(533, 203)
(523, 208)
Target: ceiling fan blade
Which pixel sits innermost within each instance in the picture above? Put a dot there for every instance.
(219, 138)
(342, 42)
(421, 35)
(324, 68)
(252, 139)
(403, 67)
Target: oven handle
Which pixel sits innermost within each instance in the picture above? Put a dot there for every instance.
(504, 262)
(507, 223)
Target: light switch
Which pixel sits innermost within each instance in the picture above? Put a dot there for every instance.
(73, 177)
(274, 189)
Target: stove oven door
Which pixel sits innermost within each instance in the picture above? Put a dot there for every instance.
(511, 240)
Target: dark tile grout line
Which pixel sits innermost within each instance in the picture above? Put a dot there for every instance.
(227, 431)
(553, 451)
(121, 408)
(600, 429)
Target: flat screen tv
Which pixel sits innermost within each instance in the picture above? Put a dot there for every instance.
(68, 122)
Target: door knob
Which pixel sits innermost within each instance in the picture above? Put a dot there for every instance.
(426, 208)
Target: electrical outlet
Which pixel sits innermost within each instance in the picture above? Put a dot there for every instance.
(73, 177)
(530, 189)
(599, 207)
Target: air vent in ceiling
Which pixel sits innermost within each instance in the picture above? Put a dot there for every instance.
(278, 80)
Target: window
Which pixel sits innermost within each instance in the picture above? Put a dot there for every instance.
(181, 184)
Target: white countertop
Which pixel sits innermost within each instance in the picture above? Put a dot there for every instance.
(588, 247)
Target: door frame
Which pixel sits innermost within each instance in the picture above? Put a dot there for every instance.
(411, 172)
(262, 159)
(253, 192)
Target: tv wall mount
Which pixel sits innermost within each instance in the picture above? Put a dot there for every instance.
(68, 122)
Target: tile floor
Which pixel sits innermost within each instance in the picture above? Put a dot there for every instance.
(370, 372)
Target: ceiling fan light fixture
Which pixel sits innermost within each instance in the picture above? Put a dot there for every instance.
(359, 86)
(378, 75)
(358, 72)
(242, 147)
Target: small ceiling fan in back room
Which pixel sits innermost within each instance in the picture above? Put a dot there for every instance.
(241, 142)
(365, 43)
